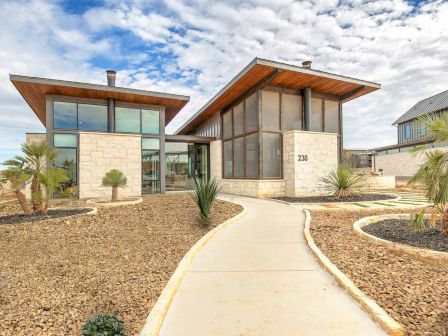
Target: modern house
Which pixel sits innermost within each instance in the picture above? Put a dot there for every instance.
(396, 159)
(274, 129)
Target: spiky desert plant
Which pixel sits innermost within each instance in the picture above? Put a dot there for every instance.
(35, 158)
(204, 195)
(51, 180)
(342, 181)
(115, 179)
(15, 178)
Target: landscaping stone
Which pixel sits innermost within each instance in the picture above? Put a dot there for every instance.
(56, 274)
(332, 199)
(414, 293)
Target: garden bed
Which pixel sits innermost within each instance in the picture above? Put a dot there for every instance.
(413, 292)
(55, 274)
(332, 199)
(400, 231)
(18, 218)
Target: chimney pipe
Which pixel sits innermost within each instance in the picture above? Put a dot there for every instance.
(111, 77)
(306, 64)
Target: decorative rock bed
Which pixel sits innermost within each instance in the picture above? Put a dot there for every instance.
(422, 254)
(331, 199)
(107, 203)
(53, 213)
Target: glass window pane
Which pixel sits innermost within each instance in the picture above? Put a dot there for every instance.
(316, 115)
(65, 140)
(92, 117)
(252, 156)
(127, 120)
(271, 155)
(151, 121)
(238, 119)
(227, 125)
(179, 171)
(150, 169)
(150, 143)
(228, 160)
(251, 112)
(331, 116)
(64, 115)
(270, 109)
(239, 157)
(291, 112)
(66, 159)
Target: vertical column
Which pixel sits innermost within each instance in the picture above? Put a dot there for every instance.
(307, 108)
(162, 150)
(111, 115)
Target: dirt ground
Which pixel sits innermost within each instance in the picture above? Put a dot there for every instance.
(412, 292)
(56, 274)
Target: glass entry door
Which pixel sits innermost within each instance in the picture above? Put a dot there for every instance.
(184, 161)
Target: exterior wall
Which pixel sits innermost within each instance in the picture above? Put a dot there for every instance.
(302, 178)
(209, 128)
(253, 188)
(402, 164)
(101, 152)
(379, 182)
(216, 159)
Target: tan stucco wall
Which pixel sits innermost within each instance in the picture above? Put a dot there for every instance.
(216, 159)
(101, 152)
(302, 178)
(402, 164)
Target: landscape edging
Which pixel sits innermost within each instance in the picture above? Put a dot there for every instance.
(97, 202)
(157, 315)
(433, 257)
(378, 314)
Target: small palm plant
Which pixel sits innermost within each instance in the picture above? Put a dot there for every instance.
(115, 179)
(204, 195)
(51, 180)
(15, 179)
(342, 181)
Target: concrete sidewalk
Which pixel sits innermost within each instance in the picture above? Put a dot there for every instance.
(257, 277)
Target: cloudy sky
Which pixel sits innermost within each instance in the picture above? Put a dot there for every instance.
(195, 47)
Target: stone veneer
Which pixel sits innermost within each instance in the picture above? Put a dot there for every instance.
(302, 178)
(101, 152)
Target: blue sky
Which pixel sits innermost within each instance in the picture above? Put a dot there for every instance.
(195, 47)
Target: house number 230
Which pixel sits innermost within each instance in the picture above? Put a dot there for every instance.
(302, 157)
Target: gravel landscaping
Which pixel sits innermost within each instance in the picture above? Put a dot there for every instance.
(412, 292)
(56, 274)
(332, 199)
(17, 218)
(400, 231)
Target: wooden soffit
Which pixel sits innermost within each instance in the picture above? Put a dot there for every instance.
(34, 90)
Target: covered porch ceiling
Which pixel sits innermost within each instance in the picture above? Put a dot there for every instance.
(34, 90)
(261, 72)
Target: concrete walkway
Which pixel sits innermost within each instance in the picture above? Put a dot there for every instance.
(257, 277)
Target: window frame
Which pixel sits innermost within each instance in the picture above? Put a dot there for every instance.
(159, 180)
(76, 149)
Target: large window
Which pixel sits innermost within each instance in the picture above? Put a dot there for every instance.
(331, 117)
(150, 165)
(407, 131)
(66, 146)
(252, 156)
(228, 158)
(291, 112)
(272, 155)
(270, 110)
(86, 117)
(316, 115)
(133, 120)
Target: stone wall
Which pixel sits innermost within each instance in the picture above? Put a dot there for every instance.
(101, 152)
(216, 159)
(253, 188)
(308, 156)
(379, 182)
(402, 164)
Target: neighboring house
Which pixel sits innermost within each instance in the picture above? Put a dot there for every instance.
(361, 159)
(396, 159)
(274, 129)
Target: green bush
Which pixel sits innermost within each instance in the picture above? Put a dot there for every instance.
(204, 195)
(103, 325)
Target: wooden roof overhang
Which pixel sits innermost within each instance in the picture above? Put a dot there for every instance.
(262, 72)
(34, 90)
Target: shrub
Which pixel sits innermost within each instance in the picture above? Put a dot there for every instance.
(103, 325)
(204, 195)
(115, 179)
(342, 181)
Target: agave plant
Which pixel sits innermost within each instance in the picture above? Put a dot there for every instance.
(115, 179)
(204, 195)
(342, 181)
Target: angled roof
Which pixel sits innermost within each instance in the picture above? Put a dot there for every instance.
(34, 90)
(432, 104)
(280, 74)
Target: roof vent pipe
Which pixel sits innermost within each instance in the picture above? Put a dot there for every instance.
(111, 77)
(306, 64)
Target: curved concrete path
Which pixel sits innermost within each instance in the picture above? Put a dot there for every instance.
(257, 277)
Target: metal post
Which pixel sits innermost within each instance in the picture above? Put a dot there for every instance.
(307, 108)
(111, 115)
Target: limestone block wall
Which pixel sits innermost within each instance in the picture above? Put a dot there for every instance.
(402, 164)
(307, 156)
(216, 159)
(101, 152)
(253, 188)
(379, 182)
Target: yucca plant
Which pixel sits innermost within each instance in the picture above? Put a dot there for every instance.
(342, 181)
(15, 178)
(204, 195)
(115, 179)
(51, 180)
